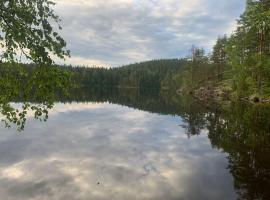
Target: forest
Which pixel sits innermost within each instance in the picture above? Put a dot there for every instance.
(238, 66)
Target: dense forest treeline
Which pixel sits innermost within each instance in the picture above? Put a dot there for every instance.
(153, 74)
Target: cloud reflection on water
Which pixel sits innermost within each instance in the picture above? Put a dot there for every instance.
(105, 151)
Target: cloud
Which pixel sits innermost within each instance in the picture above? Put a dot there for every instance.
(116, 32)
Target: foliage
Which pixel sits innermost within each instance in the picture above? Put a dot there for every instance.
(240, 61)
(249, 51)
(25, 27)
(27, 34)
(155, 74)
(36, 89)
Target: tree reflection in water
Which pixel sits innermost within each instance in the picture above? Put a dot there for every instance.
(244, 133)
(240, 130)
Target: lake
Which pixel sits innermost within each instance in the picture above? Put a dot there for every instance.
(138, 146)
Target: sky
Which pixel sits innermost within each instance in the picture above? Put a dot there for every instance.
(111, 33)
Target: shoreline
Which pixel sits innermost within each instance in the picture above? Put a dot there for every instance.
(218, 95)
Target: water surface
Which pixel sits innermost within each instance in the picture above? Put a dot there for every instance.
(111, 151)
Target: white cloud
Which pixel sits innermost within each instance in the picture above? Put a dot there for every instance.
(116, 32)
(82, 61)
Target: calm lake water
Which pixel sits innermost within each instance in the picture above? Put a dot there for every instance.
(138, 147)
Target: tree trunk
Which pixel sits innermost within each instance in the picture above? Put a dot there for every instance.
(260, 58)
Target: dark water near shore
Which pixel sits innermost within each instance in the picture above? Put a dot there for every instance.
(138, 145)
